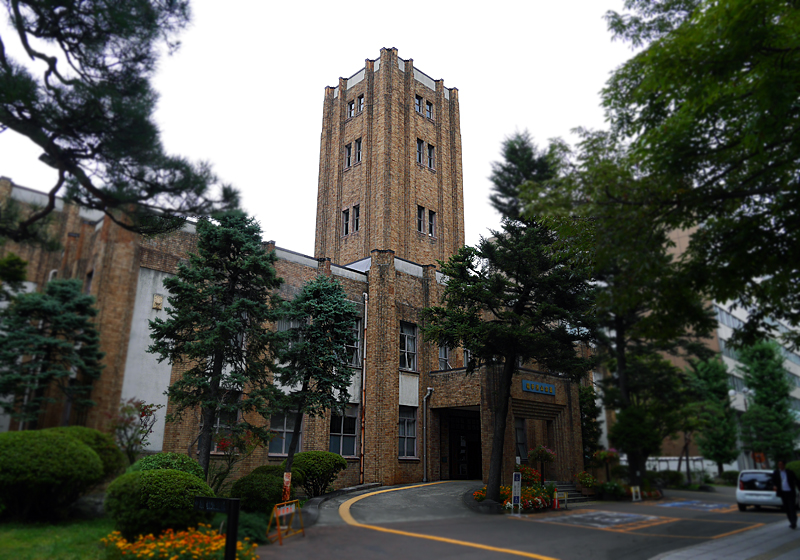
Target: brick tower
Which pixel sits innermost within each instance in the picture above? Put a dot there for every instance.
(390, 166)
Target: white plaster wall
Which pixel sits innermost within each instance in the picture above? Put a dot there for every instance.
(146, 379)
(409, 389)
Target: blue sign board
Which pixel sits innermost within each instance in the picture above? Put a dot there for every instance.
(536, 387)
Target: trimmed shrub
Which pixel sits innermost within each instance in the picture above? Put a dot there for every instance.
(732, 477)
(319, 469)
(43, 471)
(671, 479)
(252, 526)
(258, 493)
(277, 470)
(168, 460)
(143, 502)
(103, 444)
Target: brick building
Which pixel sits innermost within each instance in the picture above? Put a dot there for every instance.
(390, 204)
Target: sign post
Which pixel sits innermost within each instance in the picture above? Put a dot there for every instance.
(516, 491)
(229, 506)
(287, 484)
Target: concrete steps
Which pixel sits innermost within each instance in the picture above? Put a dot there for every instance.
(574, 495)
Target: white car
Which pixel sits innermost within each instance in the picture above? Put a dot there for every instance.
(755, 489)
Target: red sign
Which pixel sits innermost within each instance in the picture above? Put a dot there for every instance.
(759, 457)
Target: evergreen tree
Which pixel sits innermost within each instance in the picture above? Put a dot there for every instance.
(12, 274)
(315, 367)
(717, 429)
(512, 299)
(768, 425)
(591, 431)
(90, 111)
(219, 305)
(49, 351)
(522, 162)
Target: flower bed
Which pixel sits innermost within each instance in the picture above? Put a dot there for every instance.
(530, 476)
(531, 498)
(193, 544)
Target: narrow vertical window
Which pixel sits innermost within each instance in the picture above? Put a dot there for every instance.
(358, 150)
(418, 104)
(408, 346)
(407, 431)
(429, 109)
(354, 351)
(431, 157)
(345, 222)
(432, 223)
(360, 103)
(420, 151)
(444, 358)
(521, 440)
(420, 219)
(351, 109)
(356, 217)
(348, 155)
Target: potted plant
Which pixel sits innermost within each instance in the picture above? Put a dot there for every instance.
(542, 455)
(585, 483)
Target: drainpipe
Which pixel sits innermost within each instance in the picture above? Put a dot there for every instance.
(363, 391)
(425, 434)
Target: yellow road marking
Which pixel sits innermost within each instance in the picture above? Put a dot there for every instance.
(738, 531)
(344, 512)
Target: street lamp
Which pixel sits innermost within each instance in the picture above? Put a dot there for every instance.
(745, 392)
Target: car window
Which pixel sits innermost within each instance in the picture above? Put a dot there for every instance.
(756, 481)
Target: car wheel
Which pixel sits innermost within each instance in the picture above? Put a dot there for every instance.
(742, 507)
(758, 508)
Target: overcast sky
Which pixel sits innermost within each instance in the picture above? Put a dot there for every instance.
(245, 91)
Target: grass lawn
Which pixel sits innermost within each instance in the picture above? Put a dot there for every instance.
(69, 540)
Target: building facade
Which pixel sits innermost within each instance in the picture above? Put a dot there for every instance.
(390, 204)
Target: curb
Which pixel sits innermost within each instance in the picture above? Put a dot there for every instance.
(311, 508)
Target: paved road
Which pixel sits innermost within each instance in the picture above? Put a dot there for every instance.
(432, 521)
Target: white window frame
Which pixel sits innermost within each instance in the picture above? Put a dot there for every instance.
(444, 358)
(407, 422)
(360, 103)
(337, 430)
(418, 104)
(354, 351)
(351, 109)
(408, 346)
(431, 156)
(431, 223)
(356, 217)
(346, 222)
(358, 151)
(420, 151)
(348, 155)
(420, 219)
(429, 109)
(281, 432)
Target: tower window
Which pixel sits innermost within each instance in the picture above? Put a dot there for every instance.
(360, 103)
(431, 157)
(356, 217)
(429, 109)
(431, 223)
(345, 222)
(408, 346)
(351, 109)
(420, 151)
(407, 431)
(358, 150)
(348, 155)
(418, 104)
(420, 219)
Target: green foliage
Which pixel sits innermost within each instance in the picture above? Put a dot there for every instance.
(611, 489)
(278, 470)
(315, 353)
(258, 492)
(732, 477)
(103, 444)
(711, 105)
(252, 526)
(591, 429)
(90, 111)
(132, 424)
(672, 479)
(43, 471)
(219, 304)
(12, 274)
(795, 467)
(55, 332)
(523, 161)
(168, 460)
(144, 502)
(717, 426)
(768, 424)
(514, 299)
(73, 539)
(319, 470)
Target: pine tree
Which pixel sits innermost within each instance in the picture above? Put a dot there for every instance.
(768, 425)
(49, 351)
(591, 430)
(523, 161)
(90, 112)
(219, 307)
(315, 358)
(511, 299)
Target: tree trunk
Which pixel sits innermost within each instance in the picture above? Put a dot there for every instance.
(297, 429)
(687, 440)
(500, 414)
(636, 467)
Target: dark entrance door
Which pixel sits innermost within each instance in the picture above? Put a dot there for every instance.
(465, 445)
